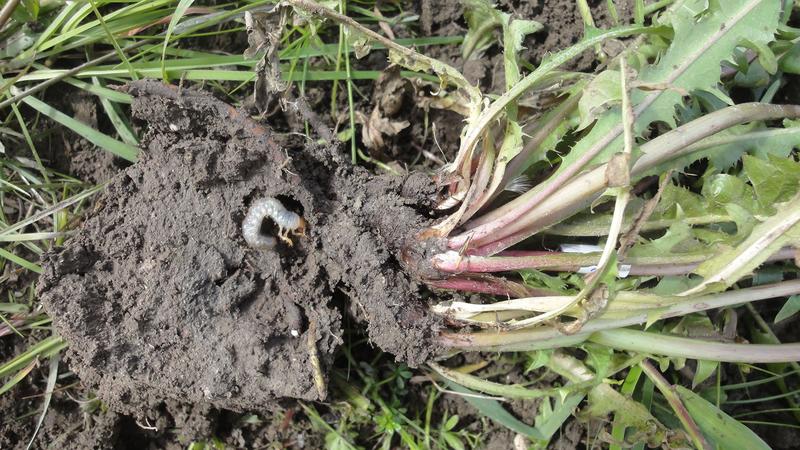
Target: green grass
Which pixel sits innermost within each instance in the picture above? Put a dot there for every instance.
(377, 403)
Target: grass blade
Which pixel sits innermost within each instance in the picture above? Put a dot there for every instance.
(48, 394)
(18, 377)
(55, 208)
(562, 411)
(97, 138)
(20, 261)
(116, 117)
(722, 429)
(47, 346)
(183, 5)
(495, 411)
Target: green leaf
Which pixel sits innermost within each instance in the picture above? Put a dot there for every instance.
(514, 32)
(551, 417)
(48, 395)
(534, 278)
(677, 202)
(718, 427)
(725, 269)
(774, 181)
(358, 41)
(482, 19)
(352, 395)
(722, 189)
(692, 62)
(602, 92)
(26, 11)
(628, 413)
(672, 285)
(19, 376)
(678, 239)
(33, 267)
(789, 308)
(453, 441)
(549, 64)
(790, 62)
(694, 325)
(538, 359)
(704, 370)
(599, 357)
(43, 349)
(745, 222)
(495, 411)
(23, 39)
(117, 117)
(766, 57)
(618, 430)
(451, 423)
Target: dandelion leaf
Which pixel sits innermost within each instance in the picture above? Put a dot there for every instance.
(705, 35)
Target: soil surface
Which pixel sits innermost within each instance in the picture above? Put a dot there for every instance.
(160, 297)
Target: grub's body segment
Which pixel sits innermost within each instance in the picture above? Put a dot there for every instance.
(270, 207)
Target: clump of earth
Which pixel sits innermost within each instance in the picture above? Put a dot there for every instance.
(160, 297)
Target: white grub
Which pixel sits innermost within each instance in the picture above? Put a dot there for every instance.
(286, 220)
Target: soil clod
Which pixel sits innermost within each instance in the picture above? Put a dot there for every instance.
(160, 297)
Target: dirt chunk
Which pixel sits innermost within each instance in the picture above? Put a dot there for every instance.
(160, 297)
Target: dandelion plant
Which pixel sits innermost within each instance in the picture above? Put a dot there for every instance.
(655, 198)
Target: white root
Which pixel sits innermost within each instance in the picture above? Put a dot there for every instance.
(463, 311)
(287, 221)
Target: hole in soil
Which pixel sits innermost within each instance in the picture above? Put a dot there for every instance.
(133, 436)
(269, 227)
(340, 300)
(291, 204)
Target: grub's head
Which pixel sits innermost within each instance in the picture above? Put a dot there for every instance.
(300, 230)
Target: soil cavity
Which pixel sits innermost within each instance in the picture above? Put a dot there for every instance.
(159, 295)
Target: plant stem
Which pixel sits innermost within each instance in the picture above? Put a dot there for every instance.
(487, 116)
(537, 209)
(621, 179)
(6, 12)
(677, 405)
(655, 6)
(487, 285)
(598, 228)
(350, 106)
(674, 264)
(475, 190)
(548, 337)
(504, 390)
(683, 347)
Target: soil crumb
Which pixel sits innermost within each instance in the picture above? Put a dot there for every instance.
(160, 297)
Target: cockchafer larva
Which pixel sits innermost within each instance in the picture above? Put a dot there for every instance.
(286, 220)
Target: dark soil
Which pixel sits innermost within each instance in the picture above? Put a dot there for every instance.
(160, 297)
